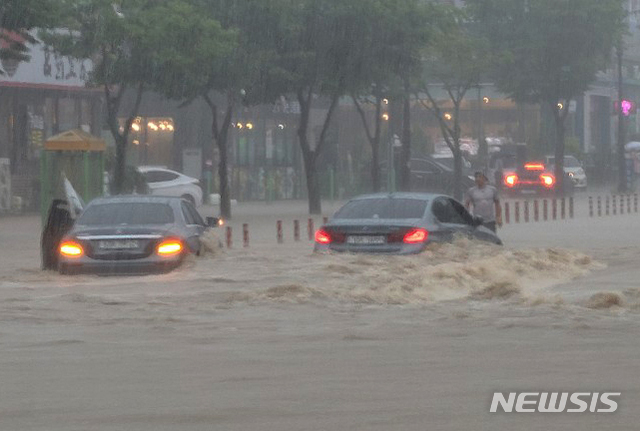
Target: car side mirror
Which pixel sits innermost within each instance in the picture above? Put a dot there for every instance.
(214, 221)
(477, 221)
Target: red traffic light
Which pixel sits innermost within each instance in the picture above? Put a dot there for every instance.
(628, 107)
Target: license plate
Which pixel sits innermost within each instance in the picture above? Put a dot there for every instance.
(366, 239)
(118, 245)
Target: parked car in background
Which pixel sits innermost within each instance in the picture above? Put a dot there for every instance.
(447, 160)
(430, 175)
(166, 182)
(573, 168)
(398, 223)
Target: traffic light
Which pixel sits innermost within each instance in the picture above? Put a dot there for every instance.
(627, 106)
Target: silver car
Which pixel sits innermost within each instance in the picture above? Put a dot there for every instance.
(131, 234)
(399, 223)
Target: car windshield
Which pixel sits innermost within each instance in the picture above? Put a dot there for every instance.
(126, 213)
(383, 208)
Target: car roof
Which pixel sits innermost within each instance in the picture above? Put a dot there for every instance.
(127, 199)
(399, 195)
(149, 167)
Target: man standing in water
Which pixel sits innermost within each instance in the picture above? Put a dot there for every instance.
(485, 201)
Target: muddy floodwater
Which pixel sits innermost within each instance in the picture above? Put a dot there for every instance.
(274, 337)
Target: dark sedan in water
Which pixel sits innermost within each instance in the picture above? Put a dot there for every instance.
(130, 234)
(401, 223)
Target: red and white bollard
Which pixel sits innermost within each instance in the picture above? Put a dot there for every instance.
(245, 235)
(310, 229)
(279, 232)
(296, 230)
(571, 207)
(229, 237)
(599, 206)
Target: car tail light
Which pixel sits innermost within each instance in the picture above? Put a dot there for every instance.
(510, 180)
(548, 180)
(71, 249)
(323, 237)
(534, 166)
(169, 247)
(415, 236)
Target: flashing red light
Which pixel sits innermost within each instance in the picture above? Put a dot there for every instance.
(534, 166)
(323, 237)
(510, 180)
(548, 180)
(415, 236)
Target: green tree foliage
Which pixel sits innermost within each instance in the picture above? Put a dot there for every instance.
(393, 36)
(202, 57)
(454, 62)
(332, 48)
(17, 19)
(125, 42)
(549, 51)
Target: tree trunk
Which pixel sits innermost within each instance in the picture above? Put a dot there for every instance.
(405, 174)
(120, 163)
(308, 156)
(457, 171)
(457, 154)
(375, 166)
(313, 187)
(223, 165)
(113, 107)
(374, 140)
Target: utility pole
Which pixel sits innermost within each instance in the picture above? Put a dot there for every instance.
(622, 129)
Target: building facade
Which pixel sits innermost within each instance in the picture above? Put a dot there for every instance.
(38, 99)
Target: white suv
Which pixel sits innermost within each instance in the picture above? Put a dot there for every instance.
(573, 168)
(165, 182)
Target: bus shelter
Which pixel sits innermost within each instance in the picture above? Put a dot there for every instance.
(76, 155)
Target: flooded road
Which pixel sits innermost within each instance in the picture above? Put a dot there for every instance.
(275, 337)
